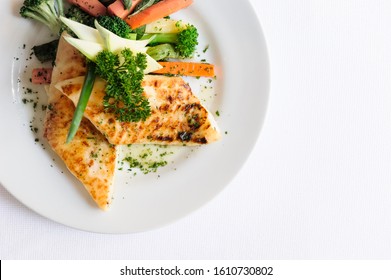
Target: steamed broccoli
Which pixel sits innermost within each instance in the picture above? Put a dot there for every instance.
(44, 11)
(76, 14)
(183, 43)
(116, 25)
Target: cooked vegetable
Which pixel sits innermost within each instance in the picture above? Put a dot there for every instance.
(92, 41)
(116, 25)
(162, 51)
(46, 52)
(124, 93)
(118, 9)
(92, 7)
(143, 4)
(42, 76)
(166, 25)
(127, 4)
(76, 14)
(184, 42)
(82, 31)
(159, 10)
(44, 11)
(123, 8)
(183, 68)
(83, 100)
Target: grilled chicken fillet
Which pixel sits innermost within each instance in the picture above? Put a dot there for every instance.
(89, 156)
(177, 115)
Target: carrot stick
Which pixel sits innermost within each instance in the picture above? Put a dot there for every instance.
(118, 9)
(42, 76)
(183, 68)
(92, 7)
(156, 11)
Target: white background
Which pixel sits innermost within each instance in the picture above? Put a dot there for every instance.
(318, 183)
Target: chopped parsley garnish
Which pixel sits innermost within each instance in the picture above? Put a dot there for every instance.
(124, 73)
(145, 166)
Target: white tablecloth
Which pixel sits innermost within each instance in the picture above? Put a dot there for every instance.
(318, 183)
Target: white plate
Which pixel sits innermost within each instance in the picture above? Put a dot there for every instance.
(35, 176)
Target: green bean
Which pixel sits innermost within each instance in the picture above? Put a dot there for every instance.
(83, 100)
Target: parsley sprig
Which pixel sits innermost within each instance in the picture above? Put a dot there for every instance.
(124, 73)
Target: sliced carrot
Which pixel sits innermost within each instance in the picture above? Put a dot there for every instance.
(42, 76)
(156, 11)
(92, 7)
(184, 68)
(118, 9)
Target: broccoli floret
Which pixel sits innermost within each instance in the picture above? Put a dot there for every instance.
(44, 11)
(116, 25)
(187, 41)
(184, 42)
(76, 14)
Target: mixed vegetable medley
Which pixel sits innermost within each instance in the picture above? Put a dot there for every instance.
(122, 40)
